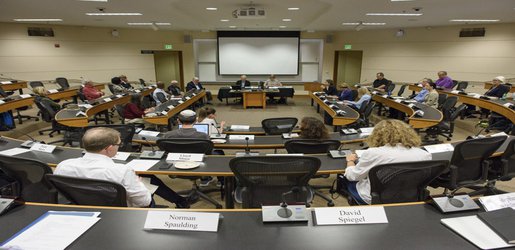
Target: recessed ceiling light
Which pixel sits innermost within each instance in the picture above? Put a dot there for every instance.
(224, 20)
(394, 14)
(402, 0)
(232, 27)
(211, 8)
(371, 24)
(474, 20)
(112, 14)
(286, 20)
(293, 8)
(38, 20)
(149, 23)
(282, 26)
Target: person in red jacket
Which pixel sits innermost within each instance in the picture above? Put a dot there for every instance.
(90, 92)
(134, 111)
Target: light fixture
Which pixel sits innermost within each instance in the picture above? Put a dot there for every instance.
(224, 20)
(154, 26)
(474, 20)
(112, 14)
(282, 26)
(394, 14)
(399, 33)
(232, 27)
(211, 8)
(368, 24)
(147, 24)
(293, 8)
(286, 20)
(105, 1)
(38, 20)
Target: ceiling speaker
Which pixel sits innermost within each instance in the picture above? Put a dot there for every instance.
(34, 31)
(329, 38)
(472, 32)
(115, 33)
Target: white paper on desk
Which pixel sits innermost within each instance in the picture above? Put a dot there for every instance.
(240, 127)
(475, 95)
(141, 165)
(495, 202)
(148, 133)
(499, 134)
(87, 106)
(508, 104)
(241, 137)
(53, 91)
(455, 91)
(6, 82)
(14, 151)
(476, 231)
(439, 148)
(122, 156)
(150, 187)
(25, 96)
(366, 131)
(2, 102)
(52, 231)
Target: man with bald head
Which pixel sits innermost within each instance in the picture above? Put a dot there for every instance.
(101, 144)
(243, 82)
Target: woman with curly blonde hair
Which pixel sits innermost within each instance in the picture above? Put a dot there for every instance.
(312, 128)
(391, 141)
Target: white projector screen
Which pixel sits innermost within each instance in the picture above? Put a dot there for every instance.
(258, 55)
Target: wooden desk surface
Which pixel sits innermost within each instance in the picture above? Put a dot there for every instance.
(17, 102)
(178, 107)
(350, 116)
(488, 85)
(13, 86)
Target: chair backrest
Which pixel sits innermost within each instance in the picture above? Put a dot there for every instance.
(265, 178)
(457, 112)
(34, 84)
(462, 85)
(278, 126)
(508, 161)
(146, 101)
(181, 145)
(354, 94)
(86, 191)
(391, 87)
(309, 146)
(362, 108)
(81, 95)
(47, 112)
(120, 108)
(454, 83)
(63, 82)
(161, 97)
(2, 92)
(29, 175)
(469, 158)
(368, 110)
(450, 102)
(127, 131)
(111, 88)
(403, 182)
(441, 100)
(401, 90)
(142, 82)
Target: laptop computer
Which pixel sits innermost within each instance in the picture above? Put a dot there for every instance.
(203, 128)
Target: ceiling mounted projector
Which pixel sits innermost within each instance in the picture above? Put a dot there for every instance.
(249, 13)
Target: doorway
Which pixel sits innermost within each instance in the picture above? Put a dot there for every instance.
(347, 66)
(168, 67)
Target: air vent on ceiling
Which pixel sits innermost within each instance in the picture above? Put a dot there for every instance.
(472, 32)
(34, 31)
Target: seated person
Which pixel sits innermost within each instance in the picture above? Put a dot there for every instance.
(174, 89)
(346, 93)
(243, 82)
(497, 91)
(273, 82)
(444, 81)
(420, 97)
(41, 95)
(101, 144)
(431, 99)
(313, 128)
(195, 84)
(160, 89)
(329, 87)
(363, 95)
(124, 82)
(133, 111)
(90, 92)
(187, 118)
(116, 86)
(207, 115)
(391, 141)
(380, 83)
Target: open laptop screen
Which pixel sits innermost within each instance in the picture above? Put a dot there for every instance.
(203, 128)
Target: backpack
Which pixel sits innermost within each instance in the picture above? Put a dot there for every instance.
(6, 121)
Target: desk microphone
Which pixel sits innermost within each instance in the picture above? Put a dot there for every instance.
(151, 146)
(247, 149)
(285, 212)
(30, 142)
(151, 154)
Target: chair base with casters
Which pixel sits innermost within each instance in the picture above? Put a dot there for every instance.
(201, 193)
(20, 117)
(316, 191)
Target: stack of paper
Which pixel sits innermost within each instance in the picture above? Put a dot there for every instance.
(439, 148)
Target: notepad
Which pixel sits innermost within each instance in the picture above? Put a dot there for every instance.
(502, 222)
(240, 127)
(439, 148)
(148, 133)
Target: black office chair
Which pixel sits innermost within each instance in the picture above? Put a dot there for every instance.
(278, 126)
(29, 175)
(462, 86)
(142, 82)
(62, 82)
(263, 179)
(147, 102)
(446, 127)
(441, 100)
(454, 83)
(390, 87)
(362, 108)
(401, 90)
(403, 181)
(111, 88)
(71, 134)
(469, 164)
(190, 146)
(35, 84)
(87, 191)
(120, 109)
(81, 95)
(126, 131)
(161, 97)
(308, 146)
(354, 95)
(364, 120)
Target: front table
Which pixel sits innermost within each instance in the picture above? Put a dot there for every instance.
(254, 99)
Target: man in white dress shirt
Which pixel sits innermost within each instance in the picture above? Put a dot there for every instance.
(101, 144)
(160, 89)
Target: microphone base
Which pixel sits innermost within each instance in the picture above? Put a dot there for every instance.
(27, 144)
(292, 213)
(218, 136)
(455, 204)
(148, 154)
(240, 154)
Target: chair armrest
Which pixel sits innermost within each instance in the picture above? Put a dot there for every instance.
(453, 176)
(376, 199)
(504, 167)
(485, 165)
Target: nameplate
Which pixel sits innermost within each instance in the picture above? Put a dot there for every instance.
(507, 104)
(241, 137)
(80, 113)
(53, 91)
(42, 148)
(148, 133)
(181, 102)
(87, 106)
(164, 113)
(193, 94)
(107, 99)
(25, 96)
(374, 92)
(398, 100)
(121, 156)
(455, 91)
(385, 96)
(350, 215)
(171, 107)
(137, 90)
(439, 148)
(411, 105)
(119, 96)
(240, 127)
(185, 157)
(2, 102)
(187, 97)
(6, 82)
(496, 202)
(182, 221)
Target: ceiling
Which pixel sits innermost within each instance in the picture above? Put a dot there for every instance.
(314, 15)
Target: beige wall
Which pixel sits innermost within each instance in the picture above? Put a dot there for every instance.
(93, 53)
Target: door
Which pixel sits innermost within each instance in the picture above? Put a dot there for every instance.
(348, 66)
(168, 66)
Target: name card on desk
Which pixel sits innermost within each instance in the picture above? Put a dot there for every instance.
(53, 91)
(240, 127)
(6, 82)
(2, 102)
(185, 157)
(119, 96)
(86, 105)
(508, 104)
(25, 96)
(496, 202)
(187, 97)
(164, 113)
(181, 102)
(398, 100)
(193, 94)
(182, 221)
(148, 133)
(170, 107)
(137, 90)
(241, 137)
(455, 91)
(42, 147)
(80, 113)
(107, 99)
(439, 148)
(350, 215)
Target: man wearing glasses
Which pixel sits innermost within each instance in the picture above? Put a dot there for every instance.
(101, 144)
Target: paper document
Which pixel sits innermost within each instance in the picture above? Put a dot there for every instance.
(495, 202)
(241, 137)
(122, 156)
(439, 148)
(475, 231)
(499, 134)
(53, 91)
(6, 82)
(141, 165)
(86, 106)
(14, 151)
(148, 133)
(51, 231)
(240, 127)
(152, 188)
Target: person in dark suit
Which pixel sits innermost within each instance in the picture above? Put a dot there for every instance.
(243, 82)
(124, 82)
(329, 87)
(196, 85)
(497, 91)
(174, 89)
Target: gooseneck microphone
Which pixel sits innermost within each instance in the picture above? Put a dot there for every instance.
(151, 146)
(285, 212)
(247, 149)
(29, 143)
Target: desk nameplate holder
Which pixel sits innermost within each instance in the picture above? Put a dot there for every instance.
(148, 154)
(455, 204)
